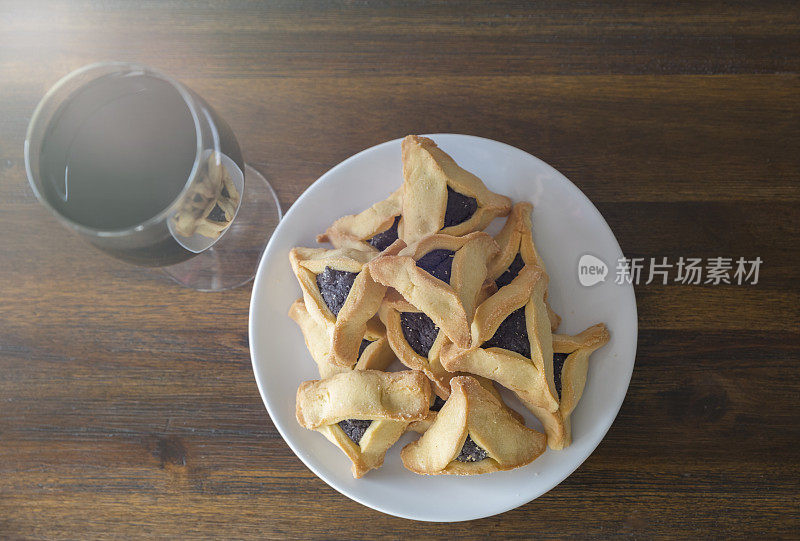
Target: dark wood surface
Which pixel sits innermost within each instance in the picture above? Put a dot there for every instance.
(128, 406)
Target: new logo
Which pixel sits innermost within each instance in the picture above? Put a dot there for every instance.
(591, 270)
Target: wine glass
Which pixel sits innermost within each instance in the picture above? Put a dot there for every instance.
(144, 169)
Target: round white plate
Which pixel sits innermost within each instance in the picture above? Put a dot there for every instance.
(566, 226)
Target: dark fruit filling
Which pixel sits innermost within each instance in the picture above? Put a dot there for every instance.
(459, 208)
(384, 239)
(354, 428)
(471, 452)
(437, 404)
(438, 263)
(558, 365)
(334, 285)
(512, 334)
(217, 215)
(419, 330)
(512, 272)
(363, 346)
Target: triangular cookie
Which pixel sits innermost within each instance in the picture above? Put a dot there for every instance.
(339, 292)
(512, 342)
(570, 366)
(422, 426)
(415, 340)
(517, 250)
(473, 433)
(363, 412)
(440, 276)
(374, 353)
(438, 195)
(372, 230)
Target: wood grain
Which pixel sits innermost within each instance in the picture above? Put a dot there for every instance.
(128, 406)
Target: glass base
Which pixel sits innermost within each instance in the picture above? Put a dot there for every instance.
(233, 259)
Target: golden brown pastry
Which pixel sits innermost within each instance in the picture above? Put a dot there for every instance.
(435, 285)
(512, 342)
(440, 196)
(340, 293)
(517, 250)
(570, 366)
(517, 350)
(374, 352)
(415, 276)
(421, 426)
(440, 276)
(415, 340)
(473, 433)
(363, 412)
(372, 230)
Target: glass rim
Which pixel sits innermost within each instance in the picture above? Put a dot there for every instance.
(62, 82)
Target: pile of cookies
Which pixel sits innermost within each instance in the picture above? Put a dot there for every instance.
(414, 277)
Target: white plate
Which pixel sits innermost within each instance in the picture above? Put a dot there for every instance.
(566, 226)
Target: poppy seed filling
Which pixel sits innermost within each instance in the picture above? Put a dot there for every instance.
(558, 365)
(512, 334)
(460, 208)
(354, 428)
(419, 331)
(334, 286)
(471, 452)
(217, 214)
(363, 346)
(438, 263)
(384, 239)
(437, 404)
(511, 273)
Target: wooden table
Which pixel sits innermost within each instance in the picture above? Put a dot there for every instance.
(128, 405)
